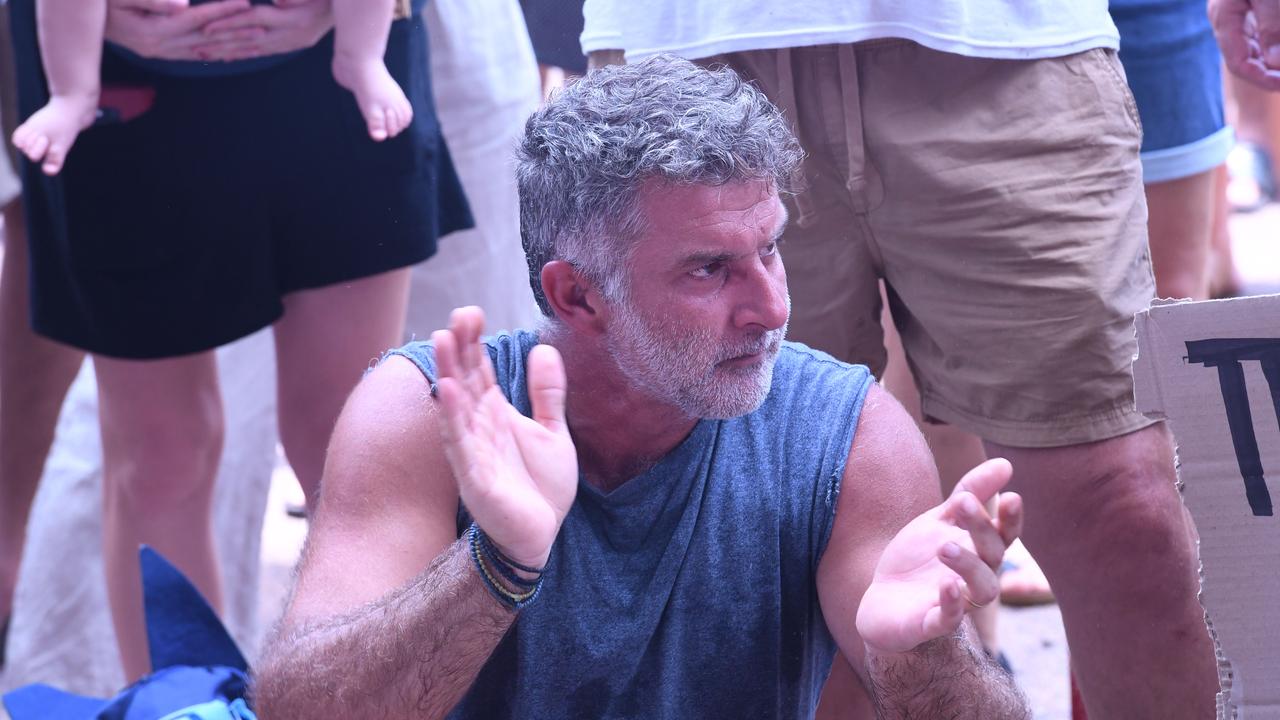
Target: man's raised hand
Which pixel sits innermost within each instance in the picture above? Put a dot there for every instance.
(517, 476)
(941, 564)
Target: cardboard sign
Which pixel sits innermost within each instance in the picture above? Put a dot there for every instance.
(1212, 369)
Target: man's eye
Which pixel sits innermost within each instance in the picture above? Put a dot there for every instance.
(707, 271)
(770, 249)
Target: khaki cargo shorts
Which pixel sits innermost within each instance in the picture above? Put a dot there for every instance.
(1001, 201)
(10, 186)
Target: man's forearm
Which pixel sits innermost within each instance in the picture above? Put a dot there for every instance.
(948, 678)
(412, 654)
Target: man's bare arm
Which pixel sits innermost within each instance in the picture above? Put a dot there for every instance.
(900, 622)
(411, 654)
(389, 617)
(946, 678)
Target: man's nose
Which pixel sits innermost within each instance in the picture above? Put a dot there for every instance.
(764, 300)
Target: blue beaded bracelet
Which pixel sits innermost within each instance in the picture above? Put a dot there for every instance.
(516, 601)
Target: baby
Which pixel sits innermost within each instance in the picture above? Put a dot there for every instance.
(71, 36)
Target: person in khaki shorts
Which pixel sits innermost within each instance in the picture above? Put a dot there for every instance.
(984, 164)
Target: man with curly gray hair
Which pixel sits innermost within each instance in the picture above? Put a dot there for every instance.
(651, 506)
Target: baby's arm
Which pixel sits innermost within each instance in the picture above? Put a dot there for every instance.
(360, 41)
(70, 33)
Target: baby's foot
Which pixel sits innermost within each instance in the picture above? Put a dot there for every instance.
(385, 108)
(47, 136)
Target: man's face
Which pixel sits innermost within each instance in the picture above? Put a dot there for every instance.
(707, 305)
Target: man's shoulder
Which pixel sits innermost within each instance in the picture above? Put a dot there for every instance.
(800, 363)
(813, 393)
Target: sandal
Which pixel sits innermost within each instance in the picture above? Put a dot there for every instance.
(1252, 181)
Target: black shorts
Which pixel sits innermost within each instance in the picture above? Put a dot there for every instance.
(180, 230)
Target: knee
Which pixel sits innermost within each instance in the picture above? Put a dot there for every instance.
(165, 460)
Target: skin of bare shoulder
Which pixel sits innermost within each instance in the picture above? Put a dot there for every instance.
(388, 501)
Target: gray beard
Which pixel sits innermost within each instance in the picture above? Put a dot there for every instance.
(684, 371)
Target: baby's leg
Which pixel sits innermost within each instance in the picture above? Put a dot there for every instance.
(360, 41)
(70, 33)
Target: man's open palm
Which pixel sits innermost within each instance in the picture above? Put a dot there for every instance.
(941, 564)
(517, 476)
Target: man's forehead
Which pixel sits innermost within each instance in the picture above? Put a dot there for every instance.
(676, 210)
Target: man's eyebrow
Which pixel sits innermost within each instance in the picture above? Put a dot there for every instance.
(782, 225)
(707, 257)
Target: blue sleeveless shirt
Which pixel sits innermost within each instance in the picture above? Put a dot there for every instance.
(689, 591)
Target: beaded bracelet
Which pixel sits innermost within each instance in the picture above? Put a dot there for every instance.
(498, 561)
(481, 550)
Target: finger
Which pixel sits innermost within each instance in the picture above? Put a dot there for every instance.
(1257, 73)
(1266, 16)
(234, 36)
(980, 583)
(547, 388)
(244, 16)
(1009, 517)
(473, 327)
(159, 7)
(1228, 20)
(446, 346)
(972, 517)
(949, 613)
(228, 51)
(985, 480)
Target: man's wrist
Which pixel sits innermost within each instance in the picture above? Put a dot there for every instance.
(512, 583)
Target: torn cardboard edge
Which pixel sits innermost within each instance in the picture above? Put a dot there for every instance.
(1212, 370)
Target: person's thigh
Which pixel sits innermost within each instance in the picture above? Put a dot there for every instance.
(1013, 235)
(1172, 64)
(325, 341)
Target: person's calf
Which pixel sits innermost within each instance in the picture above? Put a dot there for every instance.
(1107, 525)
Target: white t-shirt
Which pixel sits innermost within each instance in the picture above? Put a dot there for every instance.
(1010, 29)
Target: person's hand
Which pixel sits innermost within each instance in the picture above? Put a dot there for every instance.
(517, 476)
(941, 564)
(286, 26)
(165, 29)
(1248, 32)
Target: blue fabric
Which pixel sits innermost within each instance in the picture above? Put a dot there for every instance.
(188, 650)
(690, 590)
(214, 710)
(1174, 70)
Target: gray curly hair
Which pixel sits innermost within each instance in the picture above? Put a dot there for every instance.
(586, 154)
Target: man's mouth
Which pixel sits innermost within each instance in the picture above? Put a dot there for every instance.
(753, 355)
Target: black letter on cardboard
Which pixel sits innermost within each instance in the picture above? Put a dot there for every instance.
(1227, 355)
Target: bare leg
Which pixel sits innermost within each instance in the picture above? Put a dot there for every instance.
(1180, 228)
(1107, 525)
(1223, 279)
(71, 49)
(34, 376)
(360, 42)
(326, 340)
(162, 433)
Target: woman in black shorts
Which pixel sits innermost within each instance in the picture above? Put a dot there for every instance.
(217, 199)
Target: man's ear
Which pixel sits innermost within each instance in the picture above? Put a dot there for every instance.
(575, 299)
